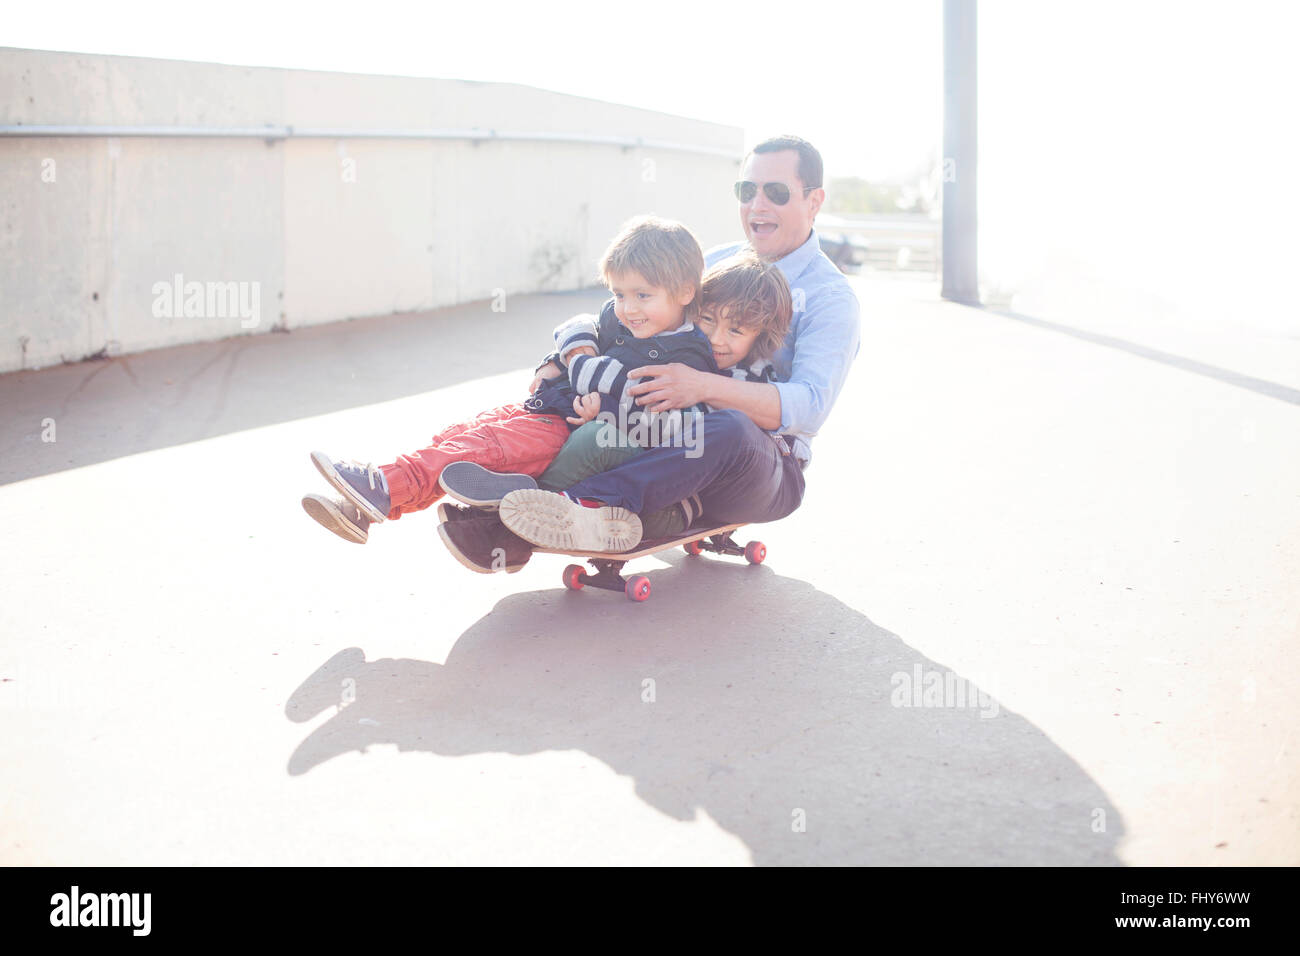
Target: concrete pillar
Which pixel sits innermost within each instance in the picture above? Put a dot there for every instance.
(960, 148)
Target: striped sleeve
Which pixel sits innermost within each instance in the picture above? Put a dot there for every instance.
(575, 333)
(761, 371)
(598, 373)
(607, 376)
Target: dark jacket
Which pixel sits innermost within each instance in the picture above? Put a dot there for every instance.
(618, 352)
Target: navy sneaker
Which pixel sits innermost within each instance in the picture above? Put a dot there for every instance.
(476, 486)
(483, 544)
(362, 485)
(338, 516)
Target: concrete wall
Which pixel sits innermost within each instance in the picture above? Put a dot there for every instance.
(326, 228)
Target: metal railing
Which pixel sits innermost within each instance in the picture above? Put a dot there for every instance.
(328, 132)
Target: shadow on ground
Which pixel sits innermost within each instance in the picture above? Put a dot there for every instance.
(113, 407)
(1226, 375)
(786, 707)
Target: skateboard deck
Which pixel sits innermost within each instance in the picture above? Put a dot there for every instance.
(609, 564)
(650, 546)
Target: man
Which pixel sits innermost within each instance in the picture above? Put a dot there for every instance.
(753, 450)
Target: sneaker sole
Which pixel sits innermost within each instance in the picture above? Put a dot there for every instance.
(456, 553)
(550, 520)
(330, 518)
(326, 468)
(473, 485)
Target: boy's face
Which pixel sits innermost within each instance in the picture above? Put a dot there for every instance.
(645, 309)
(730, 342)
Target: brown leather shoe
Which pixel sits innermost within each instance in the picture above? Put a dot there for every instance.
(450, 512)
(483, 544)
(338, 516)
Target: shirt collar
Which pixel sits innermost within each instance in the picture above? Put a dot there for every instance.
(793, 264)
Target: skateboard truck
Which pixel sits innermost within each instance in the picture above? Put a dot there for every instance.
(607, 578)
(754, 551)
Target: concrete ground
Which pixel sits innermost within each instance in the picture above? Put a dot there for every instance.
(1092, 534)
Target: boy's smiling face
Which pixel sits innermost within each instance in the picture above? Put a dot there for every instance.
(730, 342)
(646, 309)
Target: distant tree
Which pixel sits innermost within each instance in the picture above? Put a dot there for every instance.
(855, 196)
(922, 190)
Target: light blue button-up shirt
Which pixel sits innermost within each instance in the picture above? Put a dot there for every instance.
(822, 343)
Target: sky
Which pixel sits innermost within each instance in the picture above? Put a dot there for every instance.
(1150, 146)
(860, 80)
(1136, 140)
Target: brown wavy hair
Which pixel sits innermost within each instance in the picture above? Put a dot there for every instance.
(750, 293)
(664, 251)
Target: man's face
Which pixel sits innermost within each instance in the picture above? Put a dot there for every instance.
(647, 309)
(775, 231)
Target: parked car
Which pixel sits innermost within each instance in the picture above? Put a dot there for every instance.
(849, 253)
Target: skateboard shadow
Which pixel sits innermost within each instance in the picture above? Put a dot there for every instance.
(793, 705)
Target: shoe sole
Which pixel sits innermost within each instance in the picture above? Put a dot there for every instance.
(329, 517)
(456, 553)
(472, 484)
(326, 468)
(550, 520)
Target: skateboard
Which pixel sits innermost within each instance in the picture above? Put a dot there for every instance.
(609, 564)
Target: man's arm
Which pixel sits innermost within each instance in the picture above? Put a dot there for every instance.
(759, 400)
(663, 387)
(824, 348)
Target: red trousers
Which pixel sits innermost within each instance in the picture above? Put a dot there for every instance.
(509, 438)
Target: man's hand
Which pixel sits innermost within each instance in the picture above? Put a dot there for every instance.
(669, 386)
(548, 371)
(585, 407)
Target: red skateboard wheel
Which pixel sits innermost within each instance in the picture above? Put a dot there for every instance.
(637, 588)
(573, 577)
(755, 552)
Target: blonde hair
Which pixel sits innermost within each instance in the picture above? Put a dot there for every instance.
(664, 252)
(750, 293)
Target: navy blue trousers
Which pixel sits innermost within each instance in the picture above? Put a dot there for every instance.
(740, 475)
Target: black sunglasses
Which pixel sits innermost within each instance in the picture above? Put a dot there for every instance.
(779, 193)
